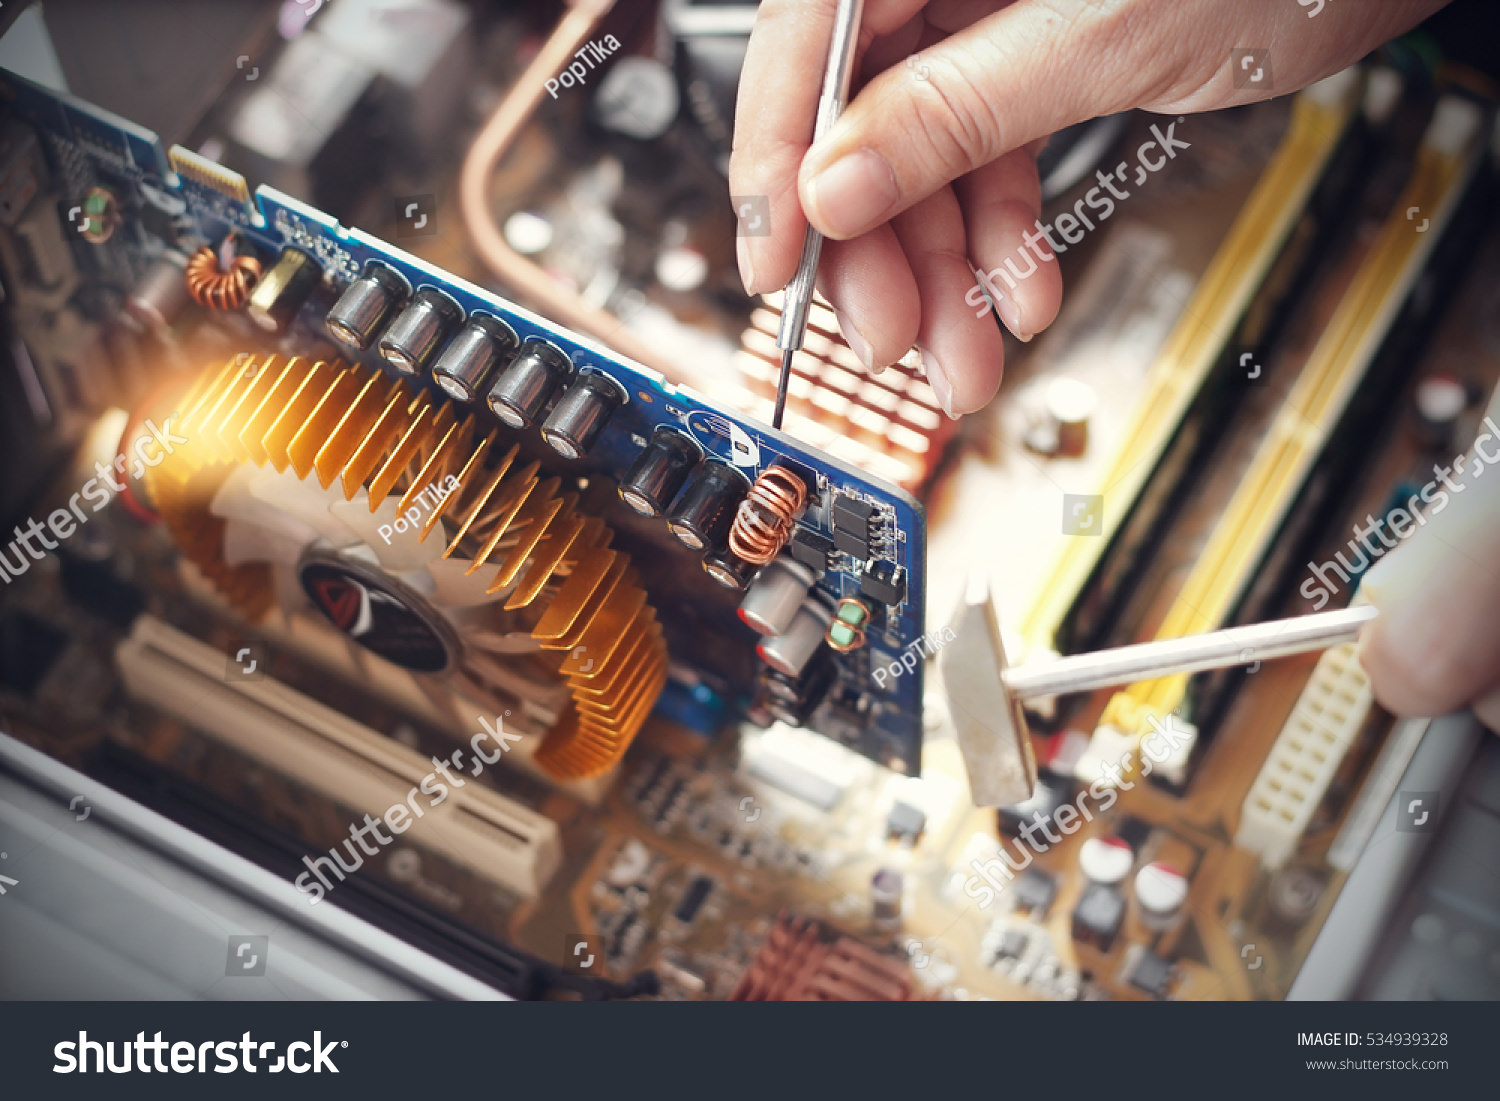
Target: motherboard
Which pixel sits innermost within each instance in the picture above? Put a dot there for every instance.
(654, 686)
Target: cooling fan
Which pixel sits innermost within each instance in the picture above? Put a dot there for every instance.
(414, 531)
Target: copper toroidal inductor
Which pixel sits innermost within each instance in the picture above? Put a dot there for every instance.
(221, 282)
(764, 521)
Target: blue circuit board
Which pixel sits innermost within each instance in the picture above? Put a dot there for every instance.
(201, 203)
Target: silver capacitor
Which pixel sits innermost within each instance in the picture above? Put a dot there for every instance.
(467, 361)
(523, 389)
(790, 651)
(365, 306)
(419, 330)
(581, 414)
(778, 591)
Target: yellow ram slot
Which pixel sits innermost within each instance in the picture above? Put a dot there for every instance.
(1320, 115)
(1448, 156)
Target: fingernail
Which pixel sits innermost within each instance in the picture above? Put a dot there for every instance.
(942, 387)
(1010, 314)
(747, 265)
(856, 341)
(1395, 575)
(853, 193)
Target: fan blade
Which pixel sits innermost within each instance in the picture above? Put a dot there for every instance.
(454, 587)
(398, 551)
(245, 542)
(306, 501)
(255, 531)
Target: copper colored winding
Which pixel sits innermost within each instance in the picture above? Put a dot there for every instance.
(764, 521)
(218, 289)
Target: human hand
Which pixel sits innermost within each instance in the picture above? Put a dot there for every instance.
(931, 171)
(1436, 645)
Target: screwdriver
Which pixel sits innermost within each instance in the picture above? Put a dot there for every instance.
(985, 692)
(799, 292)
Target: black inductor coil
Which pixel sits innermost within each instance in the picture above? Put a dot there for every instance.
(419, 330)
(469, 357)
(704, 515)
(581, 414)
(360, 311)
(659, 471)
(523, 389)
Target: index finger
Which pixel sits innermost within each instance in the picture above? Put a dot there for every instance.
(773, 120)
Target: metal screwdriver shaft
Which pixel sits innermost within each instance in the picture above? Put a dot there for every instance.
(985, 693)
(799, 292)
(1190, 654)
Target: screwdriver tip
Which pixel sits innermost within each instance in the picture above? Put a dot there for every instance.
(781, 385)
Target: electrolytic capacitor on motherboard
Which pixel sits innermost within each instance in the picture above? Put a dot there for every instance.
(658, 473)
(472, 354)
(1161, 891)
(886, 889)
(525, 387)
(776, 594)
(420, 330)
(706, 511)
(283, 290)
(581, 414)
(790, 651)
(366, 303)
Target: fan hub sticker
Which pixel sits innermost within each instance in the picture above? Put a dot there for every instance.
(384, 616)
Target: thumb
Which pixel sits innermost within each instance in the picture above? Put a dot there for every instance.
(1436, 646)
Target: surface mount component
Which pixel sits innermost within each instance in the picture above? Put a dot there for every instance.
(883, 581)
(851, 526)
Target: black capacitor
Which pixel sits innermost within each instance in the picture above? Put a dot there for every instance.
(420, 330)
(284, 290)
(581, 414)
(794, 699)
(466, 362)
(728, 569)
(365, 305)
(523, 389)
(659, 471)
(704, 515)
